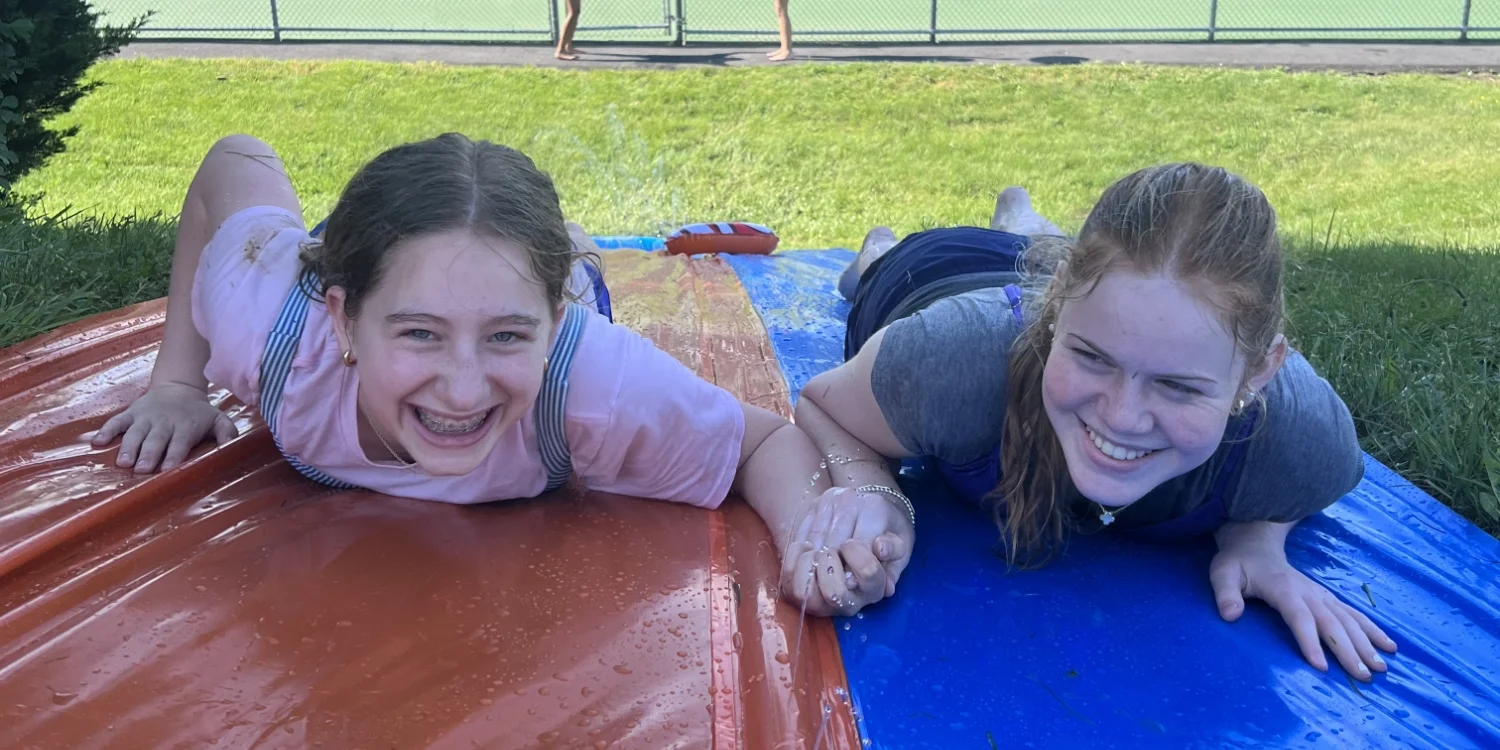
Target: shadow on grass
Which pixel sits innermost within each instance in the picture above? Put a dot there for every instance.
(1410, 338)
(725, 58)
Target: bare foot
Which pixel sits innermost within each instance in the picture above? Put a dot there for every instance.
(877, 243)
(779, 55)
(1014, 214)
(565, 54)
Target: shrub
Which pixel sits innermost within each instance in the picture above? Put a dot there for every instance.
(46, 47)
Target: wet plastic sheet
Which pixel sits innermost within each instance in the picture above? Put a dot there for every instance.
(1120, 645)
(231, 603)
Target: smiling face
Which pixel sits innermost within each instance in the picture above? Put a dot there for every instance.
(1139, 384)
(450, 346)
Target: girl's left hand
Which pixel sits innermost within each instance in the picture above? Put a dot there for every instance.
(1314, 614)
(846, 554)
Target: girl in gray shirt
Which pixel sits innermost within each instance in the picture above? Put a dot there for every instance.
(1145, 386)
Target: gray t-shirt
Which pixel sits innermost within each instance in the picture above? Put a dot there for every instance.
(940, 380)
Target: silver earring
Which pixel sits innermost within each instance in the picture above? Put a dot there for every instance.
(1239, 405)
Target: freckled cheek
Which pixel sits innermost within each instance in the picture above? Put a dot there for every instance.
(1063, 387)
(1194, 432)
(396, 373)
(518, 380)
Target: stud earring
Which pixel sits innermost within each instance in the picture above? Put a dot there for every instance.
(1242, 402)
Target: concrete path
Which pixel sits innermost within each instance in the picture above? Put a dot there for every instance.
(1361, 57)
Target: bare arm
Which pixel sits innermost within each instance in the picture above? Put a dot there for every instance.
(855, 546)
(1265, 536)
(779, 472)
(174, 415)
(858, 543)
(839, 412)
(239, 172)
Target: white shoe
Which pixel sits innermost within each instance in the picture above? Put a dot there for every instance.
(1014, 214)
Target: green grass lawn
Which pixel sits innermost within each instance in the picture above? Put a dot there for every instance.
(820, 16)
(1385, 186)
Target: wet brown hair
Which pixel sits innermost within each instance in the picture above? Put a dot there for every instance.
(1201, 225)
(444, 183)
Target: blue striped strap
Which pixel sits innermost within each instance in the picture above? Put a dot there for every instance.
(551, 402)
(601, 292)
(276, 364)
(281, 349)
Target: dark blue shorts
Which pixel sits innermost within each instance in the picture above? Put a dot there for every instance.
(927, 266)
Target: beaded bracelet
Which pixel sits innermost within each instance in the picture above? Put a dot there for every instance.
(911, 512)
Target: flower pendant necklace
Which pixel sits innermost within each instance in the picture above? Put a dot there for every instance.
(1107, 515)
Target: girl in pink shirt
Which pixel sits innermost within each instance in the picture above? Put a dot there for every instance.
(425, 346)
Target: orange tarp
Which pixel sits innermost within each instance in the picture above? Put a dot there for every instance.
(232, 603)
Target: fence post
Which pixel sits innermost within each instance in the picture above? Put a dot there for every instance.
(1463, 28)
(932, 28)
(679, 41)
(1213, 19)
(552, 21)
(275, 23)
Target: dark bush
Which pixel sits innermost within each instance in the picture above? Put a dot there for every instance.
(46, 47)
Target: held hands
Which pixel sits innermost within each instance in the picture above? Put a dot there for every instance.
(847, 553)
(1313, 613)
(163, 426)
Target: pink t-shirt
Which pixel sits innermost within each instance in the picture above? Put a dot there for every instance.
(638, 422)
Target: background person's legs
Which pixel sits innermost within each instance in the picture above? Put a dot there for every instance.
(565, 35)
(784, 26)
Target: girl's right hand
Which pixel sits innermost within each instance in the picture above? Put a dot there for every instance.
(848, 553)
(169, 419)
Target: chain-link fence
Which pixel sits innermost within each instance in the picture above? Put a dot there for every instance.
(815, 21)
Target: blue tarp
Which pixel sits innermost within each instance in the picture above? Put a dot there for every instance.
(1119, 644)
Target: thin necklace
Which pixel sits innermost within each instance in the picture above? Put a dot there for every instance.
(404, 464)
(1107, 515)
